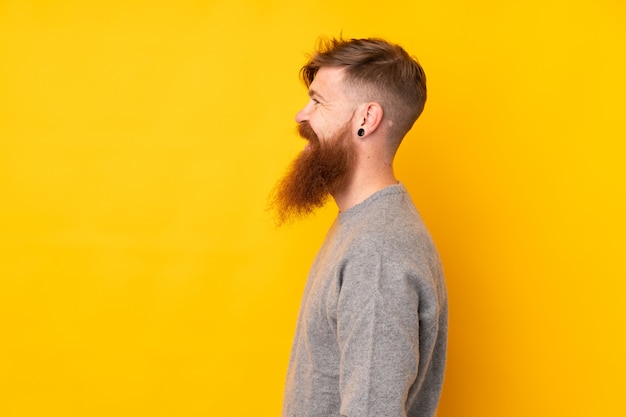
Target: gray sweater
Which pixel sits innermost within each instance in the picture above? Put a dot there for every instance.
(372, 329)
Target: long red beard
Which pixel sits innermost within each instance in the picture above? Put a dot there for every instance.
(318, 171)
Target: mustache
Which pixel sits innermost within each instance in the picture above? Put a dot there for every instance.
(306, 131)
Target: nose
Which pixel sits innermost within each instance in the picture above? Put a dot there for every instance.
(303, 115)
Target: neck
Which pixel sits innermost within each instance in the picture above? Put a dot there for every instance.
(362, 184)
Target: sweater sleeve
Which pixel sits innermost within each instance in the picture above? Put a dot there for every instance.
(378, 335)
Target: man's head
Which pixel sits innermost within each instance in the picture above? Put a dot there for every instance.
(375, 71)
(355, 87)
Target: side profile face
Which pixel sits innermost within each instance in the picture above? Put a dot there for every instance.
(330, 107)
(325, 165)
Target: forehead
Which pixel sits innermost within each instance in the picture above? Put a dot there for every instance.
(328, 81)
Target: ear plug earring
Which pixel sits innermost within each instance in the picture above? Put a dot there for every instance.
(360, 132)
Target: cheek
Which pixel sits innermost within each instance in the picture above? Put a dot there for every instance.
(320, 129)
(329, 126)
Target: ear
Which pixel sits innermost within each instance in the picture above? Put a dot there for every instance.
(369, 118)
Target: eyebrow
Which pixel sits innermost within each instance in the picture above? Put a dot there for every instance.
(315, 93)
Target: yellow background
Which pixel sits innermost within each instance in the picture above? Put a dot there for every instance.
(141, 275)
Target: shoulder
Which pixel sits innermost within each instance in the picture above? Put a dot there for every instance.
(386, 220)
(387, 232)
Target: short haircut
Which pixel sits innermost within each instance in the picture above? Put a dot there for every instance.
(380, 72)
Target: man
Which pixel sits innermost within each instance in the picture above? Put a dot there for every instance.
(372, 329)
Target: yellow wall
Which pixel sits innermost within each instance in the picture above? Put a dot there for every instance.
(141, 275)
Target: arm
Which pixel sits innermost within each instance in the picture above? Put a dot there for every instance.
(377, 331)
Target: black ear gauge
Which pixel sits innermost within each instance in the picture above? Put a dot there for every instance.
(360, 132)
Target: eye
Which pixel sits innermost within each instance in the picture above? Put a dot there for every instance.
(315, 101)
